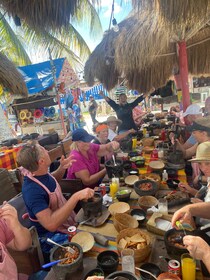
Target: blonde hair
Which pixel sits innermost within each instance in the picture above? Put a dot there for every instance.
(74, 147)
(28, 157)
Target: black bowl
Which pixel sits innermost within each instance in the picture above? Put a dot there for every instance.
(94, 272)
(140, 163)
(134, 171)
(171, 248)
(126, 274)
(139, 212)
(108, 261)
(151, 267)
(127, 164)
(123, 194)
(173, 183)
(141, 192)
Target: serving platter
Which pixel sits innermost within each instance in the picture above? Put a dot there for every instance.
(174, 198)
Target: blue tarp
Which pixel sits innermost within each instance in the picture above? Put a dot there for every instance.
(38, 77)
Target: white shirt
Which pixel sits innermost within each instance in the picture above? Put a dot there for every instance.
(111, 134)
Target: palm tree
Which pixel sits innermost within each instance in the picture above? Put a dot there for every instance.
(15, 42)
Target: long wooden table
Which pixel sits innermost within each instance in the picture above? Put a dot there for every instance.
(109, 231)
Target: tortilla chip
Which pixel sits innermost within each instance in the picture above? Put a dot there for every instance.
(141, 245)
(123, 243)
(137, 238)
(128, 239)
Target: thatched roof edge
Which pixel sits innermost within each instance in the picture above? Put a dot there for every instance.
(10, 77)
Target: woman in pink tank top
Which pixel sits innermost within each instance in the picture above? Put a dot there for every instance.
(14, 236)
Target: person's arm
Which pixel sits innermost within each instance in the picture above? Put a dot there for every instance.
(22, 237)
(137, 101)
(187, 189)
(198, 249)
(105, 149)
(121, 136)
(111, 102)
(88, 179)
(65, 163)
(187, 212)
(51, 220)
(189, 153)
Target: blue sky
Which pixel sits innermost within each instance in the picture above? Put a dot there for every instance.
(120, 12)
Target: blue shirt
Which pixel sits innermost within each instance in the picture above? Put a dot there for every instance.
(192, 140)
(36, 198)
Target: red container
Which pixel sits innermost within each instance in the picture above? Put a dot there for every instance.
(102, 188)
(174, 267)
(71, 232)
(154, 154)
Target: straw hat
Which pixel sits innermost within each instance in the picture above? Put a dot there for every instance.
(202, 124)
(202, 152)
(113, 119)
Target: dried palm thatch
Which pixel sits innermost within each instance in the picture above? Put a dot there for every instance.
(101, 65)
(146, 53)
(10, 77)
(48, 14)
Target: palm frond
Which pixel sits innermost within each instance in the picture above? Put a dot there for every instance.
(44, 40)
(87, 16)
(14, 48)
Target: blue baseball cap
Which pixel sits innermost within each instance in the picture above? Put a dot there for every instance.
(81, 134)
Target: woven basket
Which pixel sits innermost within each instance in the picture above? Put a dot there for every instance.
(139, 254)
(122, 221)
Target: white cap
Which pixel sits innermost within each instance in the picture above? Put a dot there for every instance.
(193, 109)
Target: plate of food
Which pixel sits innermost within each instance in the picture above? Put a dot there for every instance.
(173, 197)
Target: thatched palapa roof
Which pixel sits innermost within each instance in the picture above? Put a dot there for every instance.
(144, 51)
(10, 77)
(42, 13)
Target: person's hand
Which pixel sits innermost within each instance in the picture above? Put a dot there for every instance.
(115, 145)
(184, 187)
(9, 213)
(85, 194)
(183, 215)
(131, 131)
(196, 246)
(66, 162)
(195, 200)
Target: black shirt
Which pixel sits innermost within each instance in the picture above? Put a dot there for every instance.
(124, 113)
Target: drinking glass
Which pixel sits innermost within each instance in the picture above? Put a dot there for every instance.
(163, 206)
(134, 142)
(188, 267)
(113, 189)
(128, 263)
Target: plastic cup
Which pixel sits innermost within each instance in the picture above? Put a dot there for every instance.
(188, 267)
(128, 263)
(163, 206)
